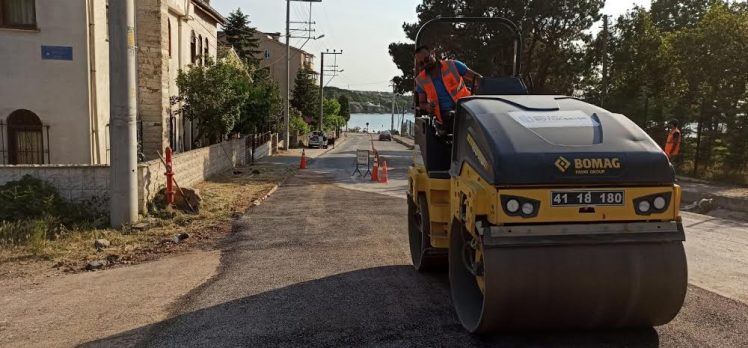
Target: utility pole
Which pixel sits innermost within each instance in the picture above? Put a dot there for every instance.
(605, 61)
(322, 70)
(123, 113)
(392, 119)
(288, 69)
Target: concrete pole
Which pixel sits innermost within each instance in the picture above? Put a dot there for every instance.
(321, 90)
(123, 113)
(288, 74)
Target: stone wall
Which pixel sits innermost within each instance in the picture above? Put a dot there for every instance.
(74, 182)
(81, 182)
(153, 75)
(193, 167)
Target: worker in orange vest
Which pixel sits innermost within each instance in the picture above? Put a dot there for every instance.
(441, 83)
(672, 145)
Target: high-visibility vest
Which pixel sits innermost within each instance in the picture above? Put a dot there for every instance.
(672, 146)
(453, 82)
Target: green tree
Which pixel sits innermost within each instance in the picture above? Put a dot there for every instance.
(242, 37)
(262, 109)
(553, 33)
(345, 107)
(296, 122)
(213, 96)
(305, 96)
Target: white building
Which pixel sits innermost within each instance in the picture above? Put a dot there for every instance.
(54, 95)
(53, 103)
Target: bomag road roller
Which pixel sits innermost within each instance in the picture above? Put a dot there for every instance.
(549, 212)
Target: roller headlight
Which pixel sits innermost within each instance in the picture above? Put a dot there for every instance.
(520, 206)
(528, 209)
(644, 206)
(653, 204)
(660, 203)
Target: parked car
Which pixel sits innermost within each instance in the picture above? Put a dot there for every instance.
(318, 139)
(385, 136)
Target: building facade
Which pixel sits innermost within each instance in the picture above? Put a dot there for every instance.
(172, 34)
(273, 54)
(54, 95)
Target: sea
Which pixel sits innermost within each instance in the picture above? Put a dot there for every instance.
(377, 122)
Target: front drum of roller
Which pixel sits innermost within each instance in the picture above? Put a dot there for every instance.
(569, 286)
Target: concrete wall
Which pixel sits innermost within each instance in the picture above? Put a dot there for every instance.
(75, 183)
(82, 182)
(55, 90)
(195, 166)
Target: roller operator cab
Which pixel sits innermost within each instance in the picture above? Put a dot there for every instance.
(549, 213)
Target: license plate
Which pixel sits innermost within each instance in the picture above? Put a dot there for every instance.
(586, 198)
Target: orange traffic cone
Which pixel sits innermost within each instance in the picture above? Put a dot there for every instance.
(375, 170)
(384, 178)
(302, 165)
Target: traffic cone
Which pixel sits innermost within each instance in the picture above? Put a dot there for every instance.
(302, 165)
(375, 170)
(384, 178)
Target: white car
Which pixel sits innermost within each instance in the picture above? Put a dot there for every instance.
(318, 139)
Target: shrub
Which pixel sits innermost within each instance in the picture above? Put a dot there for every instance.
(33, 212)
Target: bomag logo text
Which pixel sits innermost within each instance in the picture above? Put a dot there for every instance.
(595, 166)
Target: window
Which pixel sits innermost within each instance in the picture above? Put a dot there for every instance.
(205, 49)
(19, 14)
(200, 49)
(193, 48)
(25, 138)
(168, 22)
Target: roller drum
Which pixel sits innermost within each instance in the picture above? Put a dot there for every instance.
(571, 286)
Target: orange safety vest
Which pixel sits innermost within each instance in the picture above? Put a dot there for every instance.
(453, 82)
(672, 147)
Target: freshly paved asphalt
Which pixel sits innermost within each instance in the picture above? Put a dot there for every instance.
(324, 262)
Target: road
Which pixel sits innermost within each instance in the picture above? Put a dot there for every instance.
(324, 262)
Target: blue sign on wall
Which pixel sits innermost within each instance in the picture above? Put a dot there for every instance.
(57, 53)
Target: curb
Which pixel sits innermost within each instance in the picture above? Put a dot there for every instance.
(729, 203)
(404, 143)
(259, 201)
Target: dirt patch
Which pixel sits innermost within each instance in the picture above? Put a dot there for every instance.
(225, 197)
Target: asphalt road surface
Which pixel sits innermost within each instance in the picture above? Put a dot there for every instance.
(325, 262)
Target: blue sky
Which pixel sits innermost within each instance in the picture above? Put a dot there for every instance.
(363, 29)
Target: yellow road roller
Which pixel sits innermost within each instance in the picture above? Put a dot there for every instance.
(549, 212)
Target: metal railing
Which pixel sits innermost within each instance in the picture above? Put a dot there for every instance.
(408, 129)
(24, 144)
(253, 142)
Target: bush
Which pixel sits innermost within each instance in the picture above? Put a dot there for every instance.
(33, 211)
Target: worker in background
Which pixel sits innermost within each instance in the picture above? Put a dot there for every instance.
(441, 83)
(672, 145)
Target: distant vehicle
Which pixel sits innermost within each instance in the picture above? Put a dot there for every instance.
(318, 139)
(385, 136)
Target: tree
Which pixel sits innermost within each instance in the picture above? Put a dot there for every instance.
(213, 95)
(242, 37)
(306, 94)
(345, 107)
(262, 108)
(553, 33)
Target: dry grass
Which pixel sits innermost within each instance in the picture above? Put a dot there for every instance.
(224, 197)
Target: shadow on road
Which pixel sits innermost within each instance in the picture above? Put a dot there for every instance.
(382, 306)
